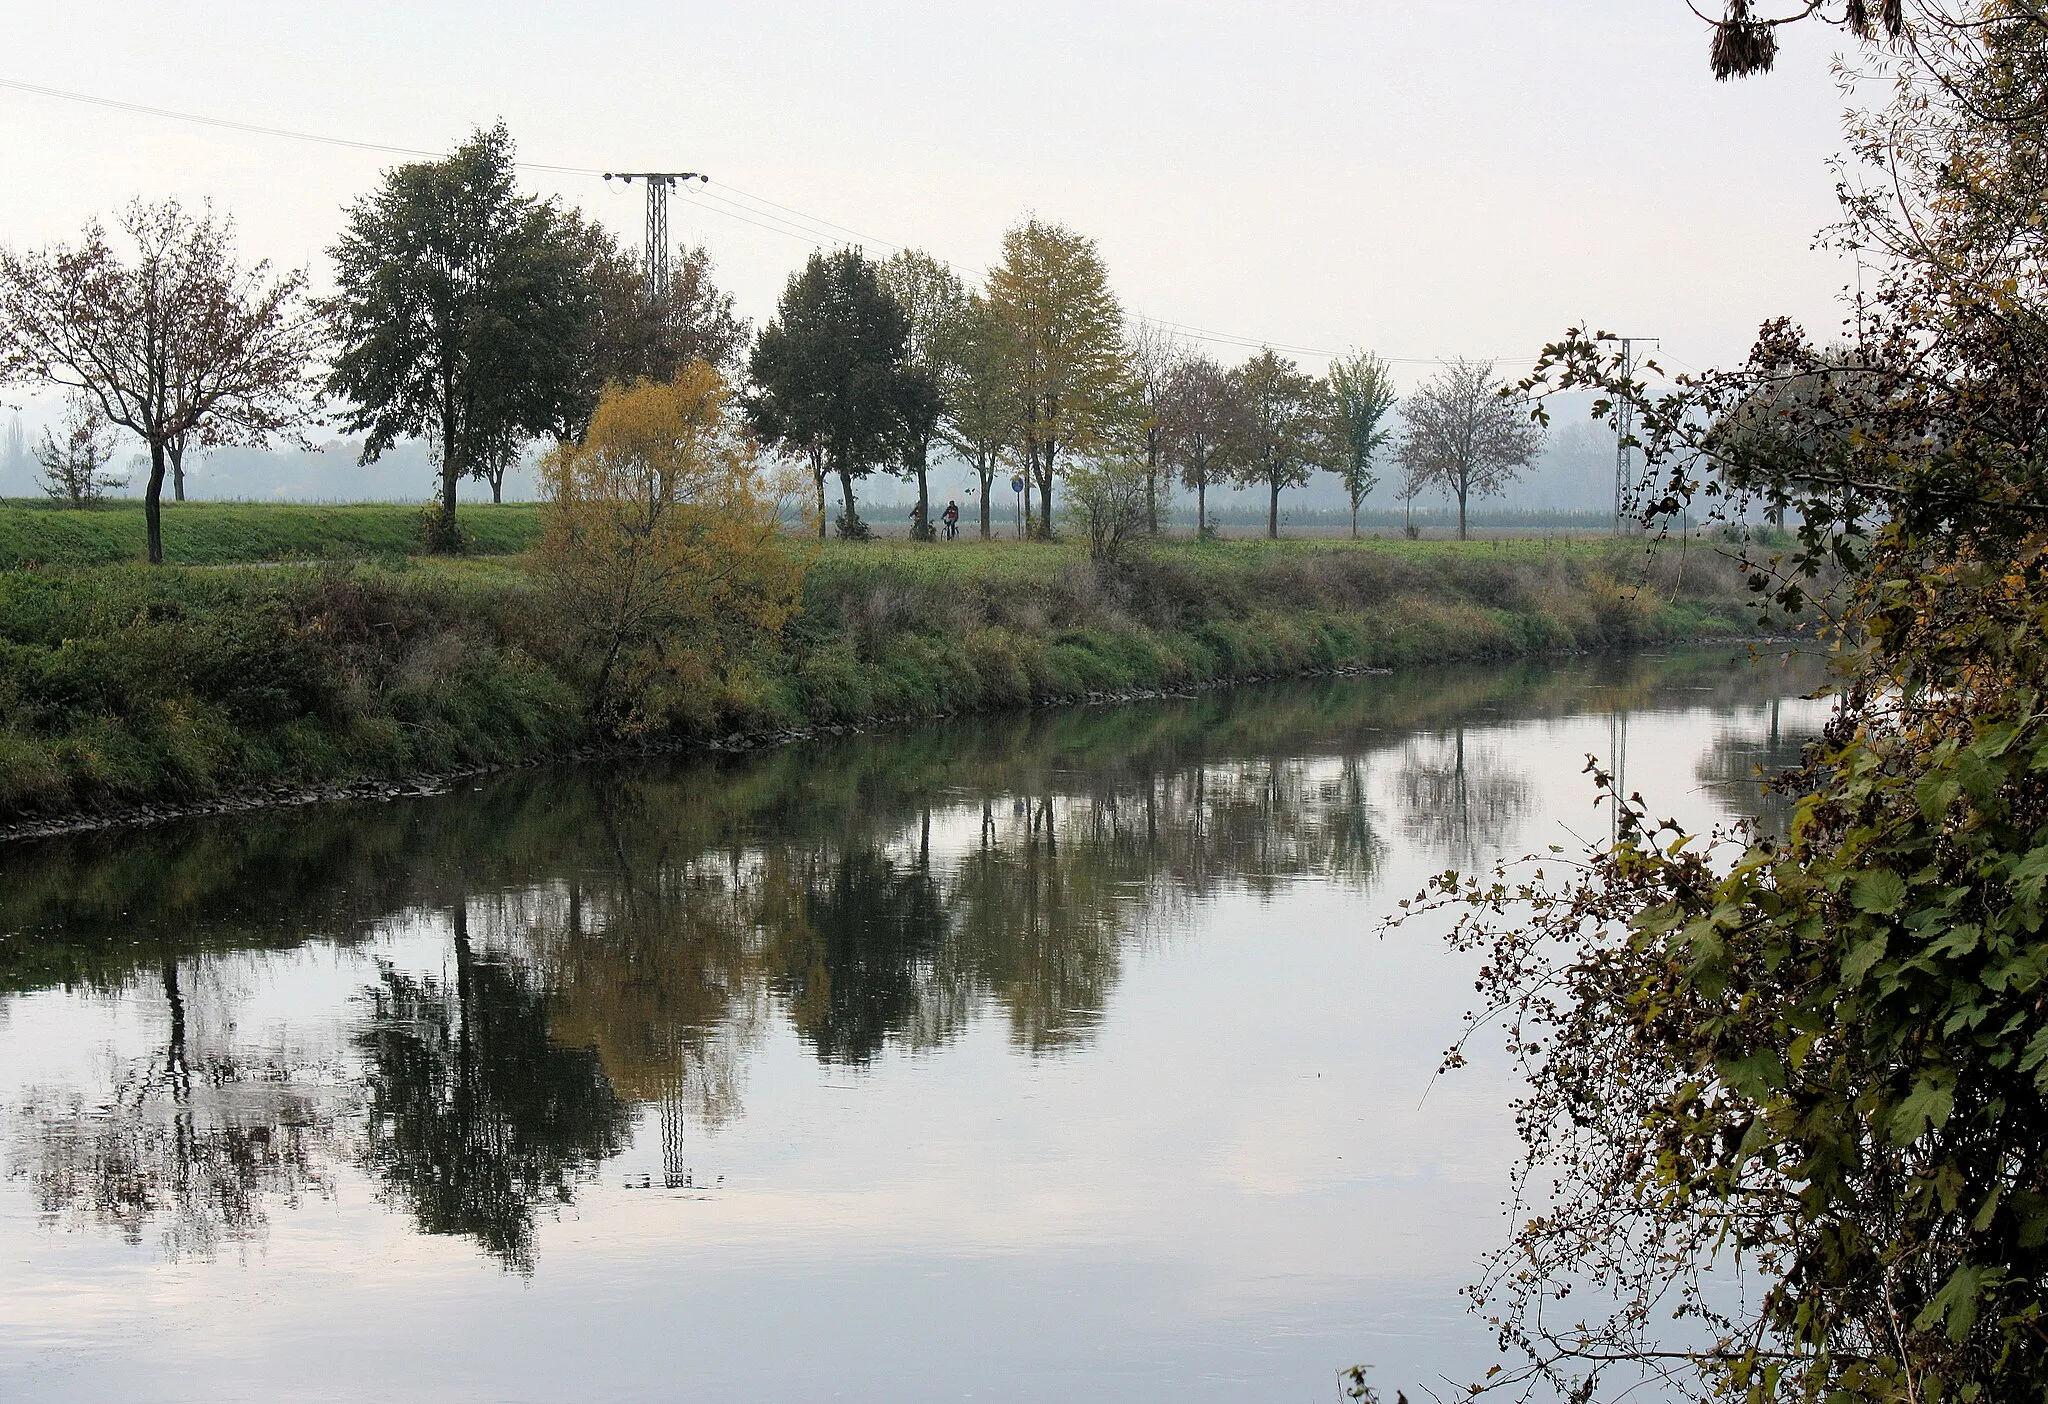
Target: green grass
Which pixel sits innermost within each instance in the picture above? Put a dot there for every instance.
(123, 685)
(34, 533)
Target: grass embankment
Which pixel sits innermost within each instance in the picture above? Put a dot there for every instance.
(34, 533)
(122, 685)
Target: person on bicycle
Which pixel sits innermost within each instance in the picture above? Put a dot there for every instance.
(951, 517)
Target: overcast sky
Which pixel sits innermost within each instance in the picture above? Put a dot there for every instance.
(1423, 177)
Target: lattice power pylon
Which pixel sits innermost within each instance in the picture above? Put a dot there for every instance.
(1624, 427)
(659, 183)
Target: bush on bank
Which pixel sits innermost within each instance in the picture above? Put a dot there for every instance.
(122, 686)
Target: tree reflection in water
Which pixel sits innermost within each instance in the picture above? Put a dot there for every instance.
(620, 937)
(476, 1115)
(191, 1143)
(1460, 801)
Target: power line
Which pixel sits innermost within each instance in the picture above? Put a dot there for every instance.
(798, 228)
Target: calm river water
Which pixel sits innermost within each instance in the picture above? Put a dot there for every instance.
(1053, 1056)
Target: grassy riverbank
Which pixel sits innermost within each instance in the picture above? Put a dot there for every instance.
(122, 686)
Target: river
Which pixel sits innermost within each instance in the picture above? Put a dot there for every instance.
(1045, 1056)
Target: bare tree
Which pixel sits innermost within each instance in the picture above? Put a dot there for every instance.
(1467, 433)
(180, 345)
(1153, 353)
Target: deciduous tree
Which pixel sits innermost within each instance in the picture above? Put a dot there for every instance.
(1466, 436)
(176, 344)
(635, 336)
(931, 295)
(832, 378)
(660, 548)
(1362, 392)
(76, 466)
(1202, 423)
(1066, 329)
(462, 313)
(1286, 432)
(983, 407)
(1153, 355)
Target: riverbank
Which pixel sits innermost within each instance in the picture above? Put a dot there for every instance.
(126, 692)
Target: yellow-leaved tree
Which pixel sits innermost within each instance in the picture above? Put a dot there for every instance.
(662, 552)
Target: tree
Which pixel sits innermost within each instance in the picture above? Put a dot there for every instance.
(1362, 390)
(1066, 328)
(660, 549)
(1823, 1055)
(1466, 436)
(982, 407)
(1202, 428)
(14, 453)
(1746, 41)
(1285, 432)
(1112, 499)
(462, 315)
(832, 375)
(76, 468)
(182, 343)
(634, 336)
(930, 294)
(1153, 355)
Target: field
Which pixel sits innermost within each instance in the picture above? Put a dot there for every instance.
(35, 533)
(122, 685)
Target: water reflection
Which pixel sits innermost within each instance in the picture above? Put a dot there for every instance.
(188, 1143)
(615, 941)
(476, 1114)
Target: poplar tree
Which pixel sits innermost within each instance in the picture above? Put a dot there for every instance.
(1362, 394)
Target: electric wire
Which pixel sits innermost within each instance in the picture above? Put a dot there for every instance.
(803, 226)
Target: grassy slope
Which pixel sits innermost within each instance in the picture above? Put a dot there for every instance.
(220, 533)
(121, 685)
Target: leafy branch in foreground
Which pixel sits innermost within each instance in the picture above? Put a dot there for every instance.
(1786, 1120)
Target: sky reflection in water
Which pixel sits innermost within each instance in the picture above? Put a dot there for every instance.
(1040, 1056)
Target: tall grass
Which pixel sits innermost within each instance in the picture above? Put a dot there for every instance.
(121, 685)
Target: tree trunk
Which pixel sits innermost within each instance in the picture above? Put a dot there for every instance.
(924, 500)
(498, 484)
(153, 503)
(1273, 510)
(1354, 519)
(1201, 507)
(178, 471)
(450, 470)
(1461, 515)
(1152, 482)
(846, 492)
(818, 476)
(1045, 492)
(987, 473)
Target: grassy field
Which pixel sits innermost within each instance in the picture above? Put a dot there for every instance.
(121, 685)
(38, 533)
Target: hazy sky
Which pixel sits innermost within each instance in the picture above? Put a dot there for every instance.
(1425, 178)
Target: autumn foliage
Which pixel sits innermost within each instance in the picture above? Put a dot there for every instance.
(660, 549)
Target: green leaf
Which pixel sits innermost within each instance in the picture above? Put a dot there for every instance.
(1956, 1302)
(1926, 1106)
(1866, 954)
(1878, 890)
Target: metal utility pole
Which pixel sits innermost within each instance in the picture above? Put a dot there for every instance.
(658, 186)
(1624, 425)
